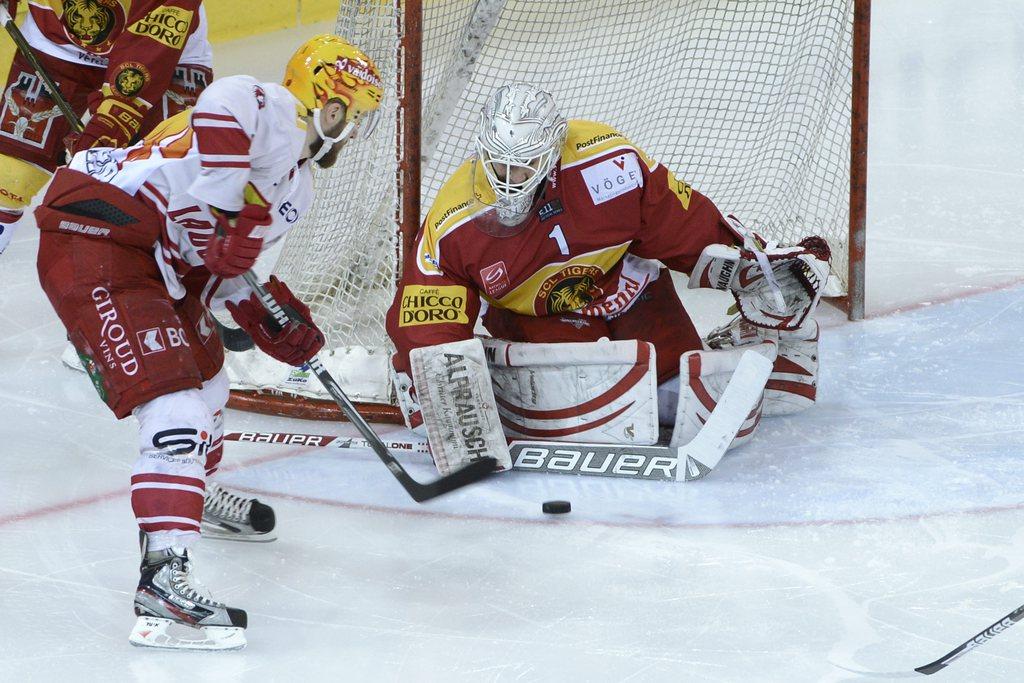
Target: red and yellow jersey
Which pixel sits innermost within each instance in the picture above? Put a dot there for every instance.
(591, 244)
(95, 26)
(138, 43)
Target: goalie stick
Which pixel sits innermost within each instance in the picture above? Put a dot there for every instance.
(474, 471)
(662, 463)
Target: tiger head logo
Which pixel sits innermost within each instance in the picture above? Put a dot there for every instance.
(572, 288)
(89, 23)
(572, 295)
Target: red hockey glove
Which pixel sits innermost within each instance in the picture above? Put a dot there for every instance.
(237, 244)
(114, 123)
(296, 342)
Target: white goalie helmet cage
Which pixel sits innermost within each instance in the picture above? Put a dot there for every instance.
(521, 129)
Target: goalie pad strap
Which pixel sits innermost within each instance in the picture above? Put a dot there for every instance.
(588, 392)
(453, 387)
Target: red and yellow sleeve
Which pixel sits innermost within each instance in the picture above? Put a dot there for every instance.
(428, 310)
(141, 65)
(677, 221)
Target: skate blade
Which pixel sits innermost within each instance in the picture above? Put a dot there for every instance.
(167, 634)
(219, 534)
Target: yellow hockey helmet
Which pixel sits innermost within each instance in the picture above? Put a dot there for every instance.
(327, 66)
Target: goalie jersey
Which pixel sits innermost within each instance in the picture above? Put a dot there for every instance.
(591, 245)
(240, 145)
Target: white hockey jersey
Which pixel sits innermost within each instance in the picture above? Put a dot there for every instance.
(241, 144)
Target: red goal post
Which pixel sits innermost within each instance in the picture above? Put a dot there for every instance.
(760, 104)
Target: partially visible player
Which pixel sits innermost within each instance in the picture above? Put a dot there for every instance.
(129, 64)
(138, 244)
(562, 231)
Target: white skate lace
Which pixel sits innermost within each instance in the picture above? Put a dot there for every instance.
(187, 586)
(224, 504)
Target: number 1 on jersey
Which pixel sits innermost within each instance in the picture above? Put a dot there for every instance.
(556, 234)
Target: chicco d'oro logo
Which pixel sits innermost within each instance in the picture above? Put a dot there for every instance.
(166, 24)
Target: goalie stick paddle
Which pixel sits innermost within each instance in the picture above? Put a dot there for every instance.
(326, 441)
(655, 463)
(474, 471)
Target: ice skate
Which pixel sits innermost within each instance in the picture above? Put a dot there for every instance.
(232, 516)
(175, 612)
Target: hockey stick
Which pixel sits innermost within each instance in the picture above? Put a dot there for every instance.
(660, 463)
(325, 441)
(654, 463)
(474, 471)
(979, 639)
(26, 51)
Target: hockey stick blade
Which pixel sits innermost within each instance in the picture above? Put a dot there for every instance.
(979, 639)
(473, 472)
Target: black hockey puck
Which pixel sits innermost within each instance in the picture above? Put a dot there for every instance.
(556, 507)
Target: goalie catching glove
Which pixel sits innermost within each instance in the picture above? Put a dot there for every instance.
(296, 342)
(775, 287)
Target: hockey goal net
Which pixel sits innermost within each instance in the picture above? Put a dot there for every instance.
(752, 102)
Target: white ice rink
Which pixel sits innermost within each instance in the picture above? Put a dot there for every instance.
(874, 532)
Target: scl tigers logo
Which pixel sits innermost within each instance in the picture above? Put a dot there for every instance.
(90, 23)
(131, 78)
(570, 289)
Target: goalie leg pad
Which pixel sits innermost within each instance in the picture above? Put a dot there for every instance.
(588, 392)
(704, 376)
(453, 387)
(793, 384)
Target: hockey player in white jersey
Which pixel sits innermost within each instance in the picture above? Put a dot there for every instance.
(138, 244)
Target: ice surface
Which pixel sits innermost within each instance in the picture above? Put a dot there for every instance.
(874, 532)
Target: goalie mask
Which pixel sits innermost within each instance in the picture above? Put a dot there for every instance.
(518, 143)
(327, 67)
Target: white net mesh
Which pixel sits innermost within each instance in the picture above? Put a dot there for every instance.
(747, 100)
